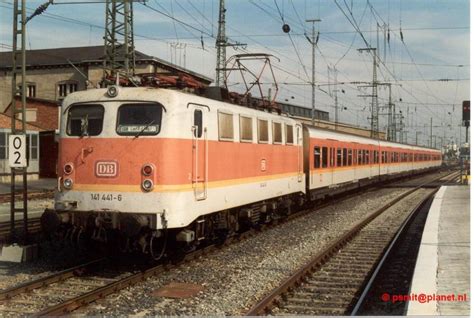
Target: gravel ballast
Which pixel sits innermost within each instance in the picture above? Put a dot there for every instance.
(239, 275)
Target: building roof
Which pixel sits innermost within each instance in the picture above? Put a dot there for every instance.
(85, 55)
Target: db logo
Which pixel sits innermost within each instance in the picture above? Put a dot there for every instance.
(106, 169)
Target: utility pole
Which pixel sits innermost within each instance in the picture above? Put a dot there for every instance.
(374, 120)
(313, 76)
(118, 40)
(221, 44)
(18, 69)
(431, 132)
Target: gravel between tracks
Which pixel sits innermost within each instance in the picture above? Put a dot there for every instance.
(237, 276)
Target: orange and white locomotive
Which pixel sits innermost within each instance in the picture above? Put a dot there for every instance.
(153, 164)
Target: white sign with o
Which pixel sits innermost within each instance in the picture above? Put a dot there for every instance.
(17, 151)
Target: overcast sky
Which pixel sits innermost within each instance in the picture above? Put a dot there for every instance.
(429, 69)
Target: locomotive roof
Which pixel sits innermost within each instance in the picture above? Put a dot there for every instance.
(149, 93)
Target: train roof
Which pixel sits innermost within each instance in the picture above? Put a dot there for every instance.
(149, 93)
(346, 136)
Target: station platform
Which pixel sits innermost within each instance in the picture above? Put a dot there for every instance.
(441, 281)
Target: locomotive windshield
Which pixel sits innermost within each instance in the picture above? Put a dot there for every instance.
(139, 119)
(85, 120)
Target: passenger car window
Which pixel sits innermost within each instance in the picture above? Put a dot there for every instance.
(339, 157)
(317, 157)
(324, 160)
(139, 119)
(85, 120)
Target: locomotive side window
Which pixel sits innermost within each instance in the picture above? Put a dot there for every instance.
(226, 126)
(139, 119)
(277, 135)
(325, 157)
(262, 131)
(317, 157)
(198, 123)
(289, 134)
(246, 129)
(85, 120)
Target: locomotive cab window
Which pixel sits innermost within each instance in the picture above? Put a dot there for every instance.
(139, 119)
(85, 120)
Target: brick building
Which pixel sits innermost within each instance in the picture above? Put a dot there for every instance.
(51, 74)
(40, 112)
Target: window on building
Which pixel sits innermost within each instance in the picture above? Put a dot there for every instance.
(226, 126)
(344, 157)
(289, 134)
(277, 134)
(349, 157)
(3, 145)
(262, 131)
(360, 157)
(30, 89)
(34, 146)
(66, 88)
(339, 157)
(324, 154)
(317, 157)
(246, 129)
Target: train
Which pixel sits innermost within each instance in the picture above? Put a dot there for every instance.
(161, 170)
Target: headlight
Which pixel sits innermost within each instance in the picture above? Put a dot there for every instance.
(147, 169)
(112, 91)
(68, 168)
(147, 185)
(67, 183)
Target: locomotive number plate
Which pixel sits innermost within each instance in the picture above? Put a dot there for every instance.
(106, 197)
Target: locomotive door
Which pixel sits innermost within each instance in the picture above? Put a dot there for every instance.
(200, 150)
(299, 142)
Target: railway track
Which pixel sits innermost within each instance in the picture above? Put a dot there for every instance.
(71, 289)
(34, 226)
(331, 283)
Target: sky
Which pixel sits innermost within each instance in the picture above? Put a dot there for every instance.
(428, 70)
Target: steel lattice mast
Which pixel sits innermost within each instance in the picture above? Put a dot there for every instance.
(118, 40)
(221, 43)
